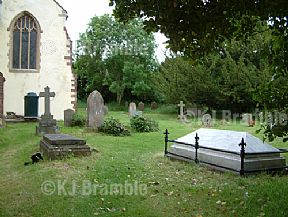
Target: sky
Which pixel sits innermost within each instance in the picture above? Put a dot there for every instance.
(80, 13)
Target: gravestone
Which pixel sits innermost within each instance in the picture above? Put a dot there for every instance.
(207, 120)
(141, 106)
(47, 125)
(95, 110)
(154, 105)
(2, 121)
(2, 117)
(259, 155)
(68, 117)
(132, 110)
(58, 146)
(247, 119)
(105, 110)
(181, 106)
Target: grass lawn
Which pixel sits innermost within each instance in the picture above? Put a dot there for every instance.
(173, 188)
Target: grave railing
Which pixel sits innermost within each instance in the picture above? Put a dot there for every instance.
(241, 153)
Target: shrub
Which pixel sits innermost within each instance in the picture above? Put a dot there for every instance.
(78, 120)
(143, 124)
(114, 127)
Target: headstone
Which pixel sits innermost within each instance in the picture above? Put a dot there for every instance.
(181, 106)
(141, 106)
(68, 117)
(259, 155)
(2, 121)
(106, 110)
(58, 146)
(154, 105)
(2, 117)
(95, 110)
(47, 125)
(247, 119)
(132, 110)
(207, 120)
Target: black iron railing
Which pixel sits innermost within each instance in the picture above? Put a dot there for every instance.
(241, 153)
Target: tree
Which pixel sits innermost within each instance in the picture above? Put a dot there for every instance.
(115, 56)
(198, 27)
(193, 25)
(225, 79)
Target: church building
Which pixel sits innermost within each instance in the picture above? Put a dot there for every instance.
(35, 52)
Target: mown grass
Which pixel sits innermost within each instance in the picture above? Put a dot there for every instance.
(173, 188)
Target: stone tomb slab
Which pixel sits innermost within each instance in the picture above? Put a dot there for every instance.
(229, 141)
(58, 146)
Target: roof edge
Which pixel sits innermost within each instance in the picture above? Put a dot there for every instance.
(61, 6)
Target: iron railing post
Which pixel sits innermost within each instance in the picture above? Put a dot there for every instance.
(196, 148)
(242, 156)
(166, 141)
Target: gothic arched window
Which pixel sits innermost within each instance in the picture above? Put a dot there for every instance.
(25, 43)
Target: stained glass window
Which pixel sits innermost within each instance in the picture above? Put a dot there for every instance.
(25, 43)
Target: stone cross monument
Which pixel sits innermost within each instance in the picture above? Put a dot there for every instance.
(181, 105)
(47, 94)
(47, 125)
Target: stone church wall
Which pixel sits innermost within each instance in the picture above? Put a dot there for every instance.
(55, 58)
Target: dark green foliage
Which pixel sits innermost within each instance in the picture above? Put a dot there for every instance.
(196, 28)
(78, 120)
(114, 127)
(143, 124)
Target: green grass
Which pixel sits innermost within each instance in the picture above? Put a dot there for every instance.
(174, 188)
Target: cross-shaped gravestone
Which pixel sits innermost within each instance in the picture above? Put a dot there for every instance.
(47, 94)
(47, 125)
(181, 105)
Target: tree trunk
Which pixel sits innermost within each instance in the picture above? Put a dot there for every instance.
(119, 97)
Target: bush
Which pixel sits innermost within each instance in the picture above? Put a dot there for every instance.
(78, 120)
(143, 124)
(114, 127)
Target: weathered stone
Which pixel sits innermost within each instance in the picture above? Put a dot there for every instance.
(95, 110)
(47, 125)
(58, 146)
(181, 106)
(68, 117)
(262, 155)
(105, 110)
(2, 117)
(2, 80)
(154, 105)
(141, 106)
(2, 121)
(132, 110)
(207, 120)
(247, 119)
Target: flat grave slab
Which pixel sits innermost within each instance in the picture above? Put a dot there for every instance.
(58, 146)
(259, 155)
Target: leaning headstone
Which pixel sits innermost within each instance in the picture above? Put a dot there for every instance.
(207, 120)
(181, 106)
(95, 110)
(132, 109)
(68, 117)
(47, 125)
(247, 119)
(58, 146)
(141, 106)
(154, 105)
